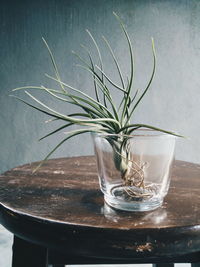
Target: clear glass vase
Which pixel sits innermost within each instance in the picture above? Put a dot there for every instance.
(134, 171)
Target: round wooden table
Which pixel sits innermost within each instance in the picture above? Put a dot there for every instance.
(58, 215)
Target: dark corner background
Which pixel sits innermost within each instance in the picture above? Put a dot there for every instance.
(172, 102)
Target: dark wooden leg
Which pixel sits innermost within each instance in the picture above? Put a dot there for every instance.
(195, 264)
(27, 254)
(163, 265)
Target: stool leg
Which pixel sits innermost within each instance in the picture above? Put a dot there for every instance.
(163, 265)
(28, 254)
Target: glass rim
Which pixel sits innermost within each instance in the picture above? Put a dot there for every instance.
(149, 133)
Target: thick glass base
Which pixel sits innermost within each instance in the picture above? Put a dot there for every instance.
(144, 205)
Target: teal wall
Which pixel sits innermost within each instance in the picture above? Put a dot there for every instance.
(172, 102)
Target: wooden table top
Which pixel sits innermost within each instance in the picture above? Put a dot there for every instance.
(65, 194)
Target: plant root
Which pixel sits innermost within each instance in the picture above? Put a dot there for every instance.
(134, 186)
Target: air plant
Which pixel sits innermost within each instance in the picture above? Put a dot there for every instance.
(99, 114)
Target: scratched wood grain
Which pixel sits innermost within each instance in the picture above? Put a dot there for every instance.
(62, 206)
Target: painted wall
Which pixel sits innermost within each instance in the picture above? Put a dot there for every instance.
(172, 102)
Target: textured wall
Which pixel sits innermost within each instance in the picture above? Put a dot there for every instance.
(172, 102)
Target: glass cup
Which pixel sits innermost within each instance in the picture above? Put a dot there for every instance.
(134, 171)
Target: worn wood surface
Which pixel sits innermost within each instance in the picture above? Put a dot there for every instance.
(62, 207)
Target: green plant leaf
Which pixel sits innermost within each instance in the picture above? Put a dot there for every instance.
(105, 91)
(85, 95)
(110, 81)
(100, 58)
(70, 135)
(53, 62)
(115, 60)
(74, 120)
(73, 97)
(150, 81)
(138, 125)
(55, 131)
(38, 109)
(94, 77)
(127, 97)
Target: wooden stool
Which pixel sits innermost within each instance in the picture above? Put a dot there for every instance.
(58, 216)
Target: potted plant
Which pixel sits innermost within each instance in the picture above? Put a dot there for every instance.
(134, 159)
